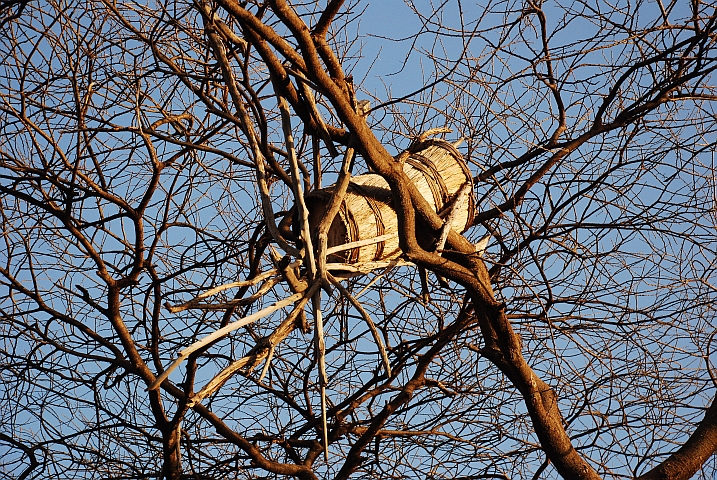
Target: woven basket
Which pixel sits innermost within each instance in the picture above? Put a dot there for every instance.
(438, 172)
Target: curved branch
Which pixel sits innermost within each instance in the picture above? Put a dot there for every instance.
(692, 455)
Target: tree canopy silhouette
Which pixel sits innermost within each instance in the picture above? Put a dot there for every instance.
(173, 303)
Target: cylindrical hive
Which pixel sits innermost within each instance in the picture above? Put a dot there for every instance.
(438, 172)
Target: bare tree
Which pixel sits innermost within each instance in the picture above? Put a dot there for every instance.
(171, 308)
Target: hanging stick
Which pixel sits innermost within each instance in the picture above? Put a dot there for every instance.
(266, 286)
(335, 202)
(245, 283)
(296, 183)
(309, 261)
(258, 352)
(211, 338)
(321, 356)
(268, 362)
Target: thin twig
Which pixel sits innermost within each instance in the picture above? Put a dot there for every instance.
(318, 118)
(248, 128)
(376, 278)
(367, 319)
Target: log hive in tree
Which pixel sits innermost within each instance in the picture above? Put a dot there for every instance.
(438, 171)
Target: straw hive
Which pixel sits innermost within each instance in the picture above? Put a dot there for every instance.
(438, 171)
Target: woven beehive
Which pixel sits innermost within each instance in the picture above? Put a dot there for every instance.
(438, 172)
